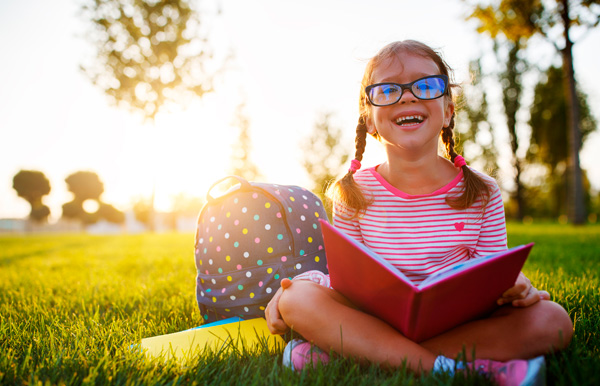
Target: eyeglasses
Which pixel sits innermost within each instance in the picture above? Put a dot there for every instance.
(429, 87)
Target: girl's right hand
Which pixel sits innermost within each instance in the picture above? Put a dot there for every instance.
(275, 322)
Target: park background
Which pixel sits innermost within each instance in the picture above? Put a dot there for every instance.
(291, 68)
(74, 304)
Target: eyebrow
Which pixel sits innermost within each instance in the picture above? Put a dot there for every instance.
(419, 76)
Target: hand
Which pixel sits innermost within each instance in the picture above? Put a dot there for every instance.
(274, 321)
(523, 294)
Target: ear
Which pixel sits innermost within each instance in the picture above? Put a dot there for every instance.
(448, 112)
(371, 129)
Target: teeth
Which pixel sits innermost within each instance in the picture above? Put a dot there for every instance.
(419, 118)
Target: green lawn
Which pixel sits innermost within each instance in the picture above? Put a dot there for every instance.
(71, 305)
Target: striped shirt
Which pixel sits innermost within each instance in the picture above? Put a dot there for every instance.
(422, 234)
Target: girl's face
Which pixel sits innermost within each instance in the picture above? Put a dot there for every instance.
(410, 125)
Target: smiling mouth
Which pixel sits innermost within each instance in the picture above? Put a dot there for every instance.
(410, 120)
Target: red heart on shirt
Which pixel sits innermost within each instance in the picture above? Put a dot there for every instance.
(459, 226)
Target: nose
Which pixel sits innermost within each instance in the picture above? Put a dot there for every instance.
(407, 96)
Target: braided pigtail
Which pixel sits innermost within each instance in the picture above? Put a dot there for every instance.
(346, 190)
(475, 186)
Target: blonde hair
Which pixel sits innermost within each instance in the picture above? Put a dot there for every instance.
(348, 192)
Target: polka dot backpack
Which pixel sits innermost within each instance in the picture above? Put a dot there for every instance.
(250, 238)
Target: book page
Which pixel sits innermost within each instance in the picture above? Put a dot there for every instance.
(457, 268)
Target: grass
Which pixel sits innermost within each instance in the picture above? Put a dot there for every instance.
(71, 305)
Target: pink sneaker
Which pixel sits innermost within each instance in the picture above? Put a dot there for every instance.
(298, 353)
(517, 372)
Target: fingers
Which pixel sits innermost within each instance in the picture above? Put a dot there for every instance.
(544, 295)
(275, 322)
(532, 297)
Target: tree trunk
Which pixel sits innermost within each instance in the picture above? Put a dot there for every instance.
(512, 102)
(576, 203)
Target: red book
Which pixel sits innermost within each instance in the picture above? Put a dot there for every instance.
(448, 298)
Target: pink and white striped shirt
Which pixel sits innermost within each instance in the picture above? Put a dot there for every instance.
(422, 234)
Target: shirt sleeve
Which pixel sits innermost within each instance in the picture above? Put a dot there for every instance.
(344, 220)
(315, 276)
(492, 237)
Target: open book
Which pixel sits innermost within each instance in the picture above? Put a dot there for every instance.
(446, 299)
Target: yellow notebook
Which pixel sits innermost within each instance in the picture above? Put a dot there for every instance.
(239, 335)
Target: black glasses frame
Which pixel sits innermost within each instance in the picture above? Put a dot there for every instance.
(407, 86)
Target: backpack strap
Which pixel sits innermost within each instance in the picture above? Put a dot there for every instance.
(244, 185)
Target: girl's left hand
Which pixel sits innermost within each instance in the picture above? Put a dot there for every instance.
(523, 294)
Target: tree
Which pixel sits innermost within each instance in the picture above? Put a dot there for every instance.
(149, 54)
(519, 20)
(86, 185)
(476, 137)
(32, 185)
(510, 25)
(241, 164)
(549, 137)
(324, 156)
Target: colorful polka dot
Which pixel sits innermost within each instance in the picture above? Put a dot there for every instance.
(240, 287)
(257, 240)
(298, 266)
(270, 270)
(268, 205)
(270, 250)
(317, 259)
(229, 278)
(283, 258)
(259, 262)
(280, 237)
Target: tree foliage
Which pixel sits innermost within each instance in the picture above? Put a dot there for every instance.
(148, 52)
(519, 20)
(549, 139)
(241, 162)
(324, 155)
(476, 137)
(32, 185)
(548, 120)
(86, 185)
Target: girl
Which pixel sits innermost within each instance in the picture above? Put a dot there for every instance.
(422, 212)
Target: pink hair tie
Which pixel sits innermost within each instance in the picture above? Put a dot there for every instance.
(459, 161)
(354, 166)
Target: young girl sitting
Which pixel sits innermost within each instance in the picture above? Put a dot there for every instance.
(422, 212)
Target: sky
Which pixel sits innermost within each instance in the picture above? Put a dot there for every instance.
(53, 119)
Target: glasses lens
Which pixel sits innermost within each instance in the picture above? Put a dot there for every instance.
(385, 94)
(429, 88)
